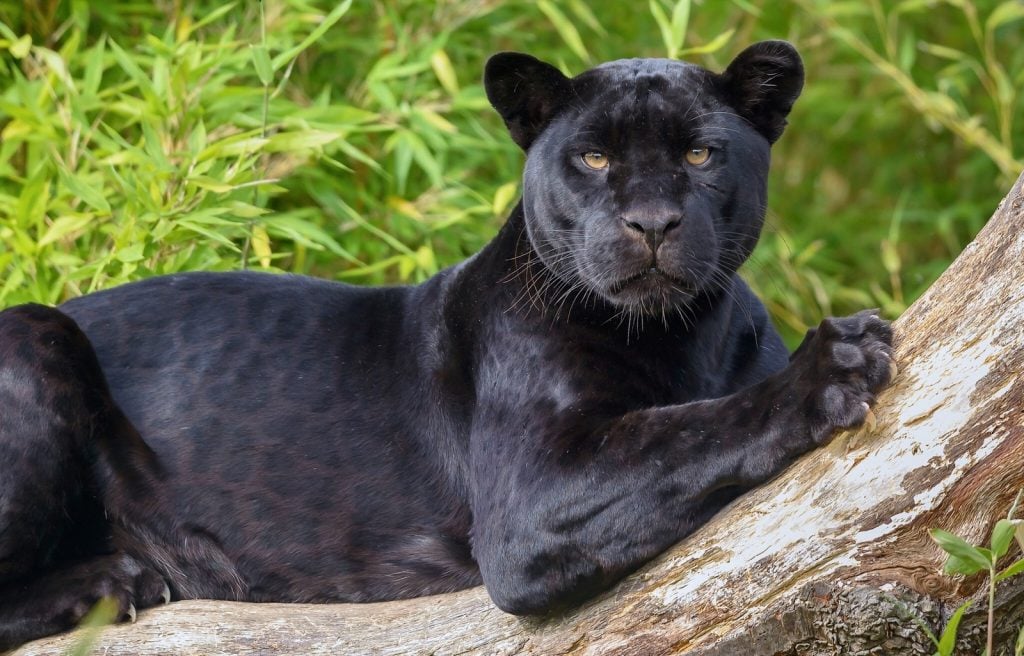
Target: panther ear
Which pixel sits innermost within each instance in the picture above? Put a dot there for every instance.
(526, 92)
(762, 84)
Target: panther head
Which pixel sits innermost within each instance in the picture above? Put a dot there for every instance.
(645, 179)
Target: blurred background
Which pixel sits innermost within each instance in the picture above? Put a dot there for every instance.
(352, 140)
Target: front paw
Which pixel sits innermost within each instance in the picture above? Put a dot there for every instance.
(842, 365)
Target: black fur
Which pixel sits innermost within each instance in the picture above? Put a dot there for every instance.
(544, 417)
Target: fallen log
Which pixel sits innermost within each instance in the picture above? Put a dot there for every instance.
(832, 557)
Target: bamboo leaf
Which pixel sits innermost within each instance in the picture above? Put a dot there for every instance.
(347, 210)
(425, 260)
(944, 52)
(321, 29)
(405, 207)
(444, 71)
(957, 565)
(565, 29)
(664, 26)
(436, 120)
(261, 245)
(585, 14)
(912, 6)
(966, 555)
(1007, 12)
(210, 184)
(358, 155)
(714, 45)
(1012, 570)
(680, 21)
(891, 260)
(212, 16)
(65, 226)
(100, 615)
(246, 210)
(14, 281)
(406, 265)
(58, 66)
(213, 235)
(426, 160)
(388, 70)
(381, 265)
(1016, 504)
(503, 196)
(232, 146)
(947, 643)
(197, 137)
(261, 61)
(128, 65)
(153, 145)
(131, 253)
(847, 8)
(308, 233)
(1002, 537)
(299, 141)
(20, 48)
(400, 145)
(89, 194)
(94, 67)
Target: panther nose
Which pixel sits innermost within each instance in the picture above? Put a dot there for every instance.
(651, 225)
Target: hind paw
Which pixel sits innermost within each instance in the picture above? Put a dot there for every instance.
(61, 599)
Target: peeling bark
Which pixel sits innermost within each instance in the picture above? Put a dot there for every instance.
(832, 557)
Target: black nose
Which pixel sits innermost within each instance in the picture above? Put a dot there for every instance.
(653, 224)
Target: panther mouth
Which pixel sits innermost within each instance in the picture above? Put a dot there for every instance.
(650, 283)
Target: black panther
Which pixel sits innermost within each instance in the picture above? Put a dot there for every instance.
(542, 418)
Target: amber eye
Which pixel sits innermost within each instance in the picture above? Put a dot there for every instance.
(595, 160)
(697, 156)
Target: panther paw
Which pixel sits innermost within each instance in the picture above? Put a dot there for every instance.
(841, 366)
(126, 585)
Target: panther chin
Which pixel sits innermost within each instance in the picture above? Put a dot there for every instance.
(651, 291)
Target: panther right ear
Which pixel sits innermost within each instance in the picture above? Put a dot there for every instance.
(526, 92)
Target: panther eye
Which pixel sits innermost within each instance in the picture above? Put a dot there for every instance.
(698, 156)
(595, 160)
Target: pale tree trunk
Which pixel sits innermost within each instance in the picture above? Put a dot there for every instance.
(830, 558)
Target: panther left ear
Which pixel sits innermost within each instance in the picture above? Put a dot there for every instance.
(762, 84)
(526, 92)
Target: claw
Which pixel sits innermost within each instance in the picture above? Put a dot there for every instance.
(893, 370)
(130, 613)
(165, 596)
(870, 422)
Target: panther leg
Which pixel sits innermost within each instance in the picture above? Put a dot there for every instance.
(57, 421)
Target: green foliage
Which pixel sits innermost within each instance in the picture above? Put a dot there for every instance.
(945, 643)
(104, 613)
(965, 559)
(353, 140)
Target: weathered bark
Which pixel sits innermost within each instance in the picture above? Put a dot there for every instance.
(829, 558)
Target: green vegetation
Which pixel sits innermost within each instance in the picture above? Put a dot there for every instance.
(352, 140)
(966, 560)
